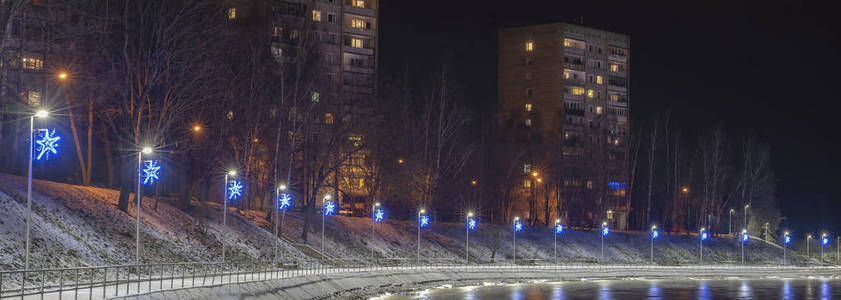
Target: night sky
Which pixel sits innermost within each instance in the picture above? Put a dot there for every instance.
(767, 67)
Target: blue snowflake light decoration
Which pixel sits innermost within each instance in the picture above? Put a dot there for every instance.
(605, 231)
(46, 144)
(787, 239)
(234, 190)
(704, 235)
(471, 224)
(745, 236)
(559, 228)
(284, 201)
(654, 234)
(423, 221)
(518, 226)
(150, 171)
(329, 208)
(379, 215)
(825, 241)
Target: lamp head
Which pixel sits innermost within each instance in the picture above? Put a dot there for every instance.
(196, 128)
(470, 214)
(42, 113)
(232, 173)
(327, 197)
(422, 211)
(604, 223)
(557, 221)
(746, 206)
(146, 150)
(62, 75)
(282, 187)
(516, 219)
(376, 204)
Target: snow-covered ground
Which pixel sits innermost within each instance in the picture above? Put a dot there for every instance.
(351, 237)
(81, 226)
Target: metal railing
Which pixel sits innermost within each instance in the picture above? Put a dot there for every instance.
(114, 281)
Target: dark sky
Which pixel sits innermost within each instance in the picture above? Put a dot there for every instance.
(769, 67)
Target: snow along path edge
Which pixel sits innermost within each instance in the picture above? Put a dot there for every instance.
(363, 284)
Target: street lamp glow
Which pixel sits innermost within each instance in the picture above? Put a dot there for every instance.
(534, 174)
(62, 75)
(282, 187)
(146, 150)
(196, 128)
(42, 113)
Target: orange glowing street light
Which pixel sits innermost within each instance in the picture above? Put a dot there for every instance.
(196, 128)
(62, 75)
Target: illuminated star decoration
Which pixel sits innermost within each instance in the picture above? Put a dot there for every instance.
(745, 237)
(423, 221)
(379, 214)
(329, 208)
(825, 241)
(284, 201)
(654, 234)
(234, 190)
(704, 236)
(150, 171)
(471, 224)
(559, 228)
(787, 239)
(605, 231)
(47, 143)
(518, 226)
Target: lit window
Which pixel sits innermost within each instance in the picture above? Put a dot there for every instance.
(328, 119)
(589, 185)
(528, 106)
(316, 96)
(527, 183)
(526, 168)
(232, 13)
(590, 93)
(614, 97)
(577, 91)
(33, 98)
(316, 15)
(528, 122)
(598, 110)
(277, 31)
(361, 183)
(529, 46)
(566, 74)
(359, 3)
(616, 68)
(358, 24)
(599, 79)
(32, 63)
(356, 43)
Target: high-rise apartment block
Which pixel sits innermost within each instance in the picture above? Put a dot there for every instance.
(563, 111)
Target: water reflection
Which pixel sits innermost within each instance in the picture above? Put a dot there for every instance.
(654, 291)
(642, 289)
(787, 294)
(744, 290)
(704, 291)
(604, 291)
(825, 291)
(558, 292)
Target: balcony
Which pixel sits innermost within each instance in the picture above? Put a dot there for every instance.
(574, 112)
(618, 58)
(574, 82)
(367, 11)
(573, 50)
(360, 31)
(358, 69)
(572, 66)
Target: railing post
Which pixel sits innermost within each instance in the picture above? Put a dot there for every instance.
(104, 281)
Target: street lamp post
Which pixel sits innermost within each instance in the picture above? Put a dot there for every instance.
(744, 239)
(40, 114)
(604, 232)
(559, 228)
(327, 209)
(786, 241)
(702, 236)
(808, 238)
(517, 227)
(281, 201)
(422, 221)
(654, 234)
(139, 198)
(824, 243)
(225, 205)
(837, 251)
(470, 223)
(376, 216)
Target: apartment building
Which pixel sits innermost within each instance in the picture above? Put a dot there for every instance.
(563, 101)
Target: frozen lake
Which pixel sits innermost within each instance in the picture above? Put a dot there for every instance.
(642, 289)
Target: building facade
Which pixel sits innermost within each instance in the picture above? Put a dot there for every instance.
(563, 103)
